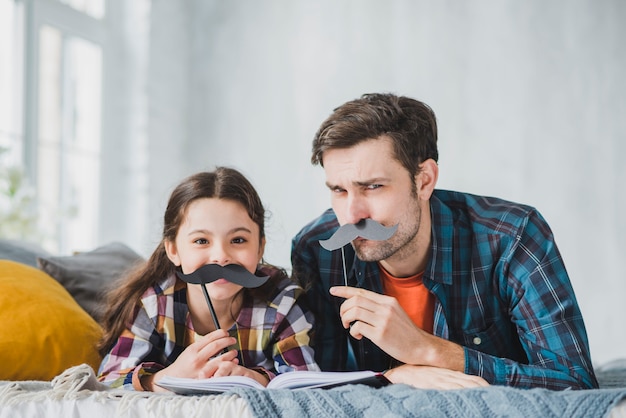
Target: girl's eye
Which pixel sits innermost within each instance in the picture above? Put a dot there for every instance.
(238, 240)
(201, 241)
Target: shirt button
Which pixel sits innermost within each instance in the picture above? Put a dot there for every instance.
(477, 341)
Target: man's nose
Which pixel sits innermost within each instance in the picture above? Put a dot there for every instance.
(356, 209)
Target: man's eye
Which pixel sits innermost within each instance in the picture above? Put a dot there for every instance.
(337, 190)
(374, 186)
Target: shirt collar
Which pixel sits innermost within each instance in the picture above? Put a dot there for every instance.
(439, 268)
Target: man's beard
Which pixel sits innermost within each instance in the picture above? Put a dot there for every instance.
(397, 245)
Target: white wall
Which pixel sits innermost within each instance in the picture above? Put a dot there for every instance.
(530, 98)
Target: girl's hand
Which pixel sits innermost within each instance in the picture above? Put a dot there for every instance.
(199, 360)
(233, 369)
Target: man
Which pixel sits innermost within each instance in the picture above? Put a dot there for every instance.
(468, 291)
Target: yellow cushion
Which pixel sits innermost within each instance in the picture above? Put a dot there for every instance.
(43, 331)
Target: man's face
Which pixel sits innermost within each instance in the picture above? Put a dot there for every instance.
(366, 181)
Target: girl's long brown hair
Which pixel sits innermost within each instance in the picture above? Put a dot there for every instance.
(223, 183)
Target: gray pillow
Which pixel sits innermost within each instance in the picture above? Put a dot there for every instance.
(87, 276)
(21, 251)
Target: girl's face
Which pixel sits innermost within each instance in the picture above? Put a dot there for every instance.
(216, 231)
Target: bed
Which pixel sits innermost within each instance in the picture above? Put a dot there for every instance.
(50, 308)
(76, 393)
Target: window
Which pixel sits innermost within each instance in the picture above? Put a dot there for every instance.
(17, 211)
(66, 67)
(68, 145)
(50, 120)
(11, 28)
(93, 8)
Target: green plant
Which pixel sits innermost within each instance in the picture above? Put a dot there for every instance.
(18, 214)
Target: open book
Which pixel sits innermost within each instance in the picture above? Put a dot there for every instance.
(290, 380)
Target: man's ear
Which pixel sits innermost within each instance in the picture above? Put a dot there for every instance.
(172, 252)
(426, 179)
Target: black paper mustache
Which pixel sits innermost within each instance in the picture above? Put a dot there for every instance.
(365, 228)
(234, 273)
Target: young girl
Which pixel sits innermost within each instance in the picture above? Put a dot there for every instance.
(157, 325)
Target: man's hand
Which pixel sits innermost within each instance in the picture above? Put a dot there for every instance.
(426, 377)
(382, 320)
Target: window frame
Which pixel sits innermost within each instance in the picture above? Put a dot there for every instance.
(70, 23)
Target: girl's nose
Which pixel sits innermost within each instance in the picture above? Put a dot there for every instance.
(220, 256)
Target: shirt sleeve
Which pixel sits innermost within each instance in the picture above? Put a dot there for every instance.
(329, 341)
(126, 362)
(292, 349)
(549, 324)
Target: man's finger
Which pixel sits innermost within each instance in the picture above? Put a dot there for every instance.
(358, 313)
(348, 292)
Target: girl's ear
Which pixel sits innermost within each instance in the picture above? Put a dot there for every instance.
(172, 252)
(426, 179)
(261, 249)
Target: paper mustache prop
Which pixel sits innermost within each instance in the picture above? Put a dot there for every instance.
(365, 228)
(234, 273)
(209, 273)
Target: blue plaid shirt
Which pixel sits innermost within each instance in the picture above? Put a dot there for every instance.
(501, 290)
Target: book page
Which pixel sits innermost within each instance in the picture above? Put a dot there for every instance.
(290, 380)
(187, 386)
(308, 379)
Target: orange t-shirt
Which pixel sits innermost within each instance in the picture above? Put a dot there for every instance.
(413, 297)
